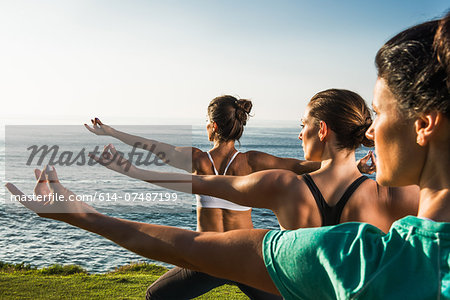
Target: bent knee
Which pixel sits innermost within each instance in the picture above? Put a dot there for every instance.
(151, 294)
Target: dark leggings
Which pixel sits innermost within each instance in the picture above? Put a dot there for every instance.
(182, 284)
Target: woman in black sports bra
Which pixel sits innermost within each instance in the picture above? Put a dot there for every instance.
(334, 126)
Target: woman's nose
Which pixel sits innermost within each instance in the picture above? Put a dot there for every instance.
(369, 132)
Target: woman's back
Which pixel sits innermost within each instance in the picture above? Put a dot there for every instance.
(369, 203)
(221, 159)
(240, 164)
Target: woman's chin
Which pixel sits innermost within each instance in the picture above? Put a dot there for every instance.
(383, 180)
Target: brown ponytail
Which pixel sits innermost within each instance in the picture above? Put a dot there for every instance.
(346, 113)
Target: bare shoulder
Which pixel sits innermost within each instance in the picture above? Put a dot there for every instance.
(398, 201)
(199, 161)
(256, 155)
(369, 188)
(283, 185)
(279, 175)
(369, 195)
(260, 160)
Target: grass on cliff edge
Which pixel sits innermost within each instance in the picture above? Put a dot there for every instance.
(21, 281)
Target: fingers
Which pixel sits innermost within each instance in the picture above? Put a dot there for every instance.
(41, 177)
(366, 158)
(372, 167)
(95, 123)
(105, 158)
(107, 154)
(364, 166)
(97, 120)
(89, 128)
(98, 160)
(15, 191)
(374, 159)
(112, 159)
(112, 149)
(37, 173)
(110, 152)
(41, 187)
(52, 178)
(96, 126)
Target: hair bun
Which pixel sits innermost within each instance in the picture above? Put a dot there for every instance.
(361, 133)
(245, 105)
(230, 115)
(243, 109)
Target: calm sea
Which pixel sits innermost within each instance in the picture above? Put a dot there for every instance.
(25, 237)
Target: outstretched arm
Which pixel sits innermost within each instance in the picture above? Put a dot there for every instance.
(263, 161)
(178, 157)
(264, 189)
(234, 255)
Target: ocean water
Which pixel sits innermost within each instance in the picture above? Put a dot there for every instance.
(25, 237)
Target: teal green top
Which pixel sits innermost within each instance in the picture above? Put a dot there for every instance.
(359, 261)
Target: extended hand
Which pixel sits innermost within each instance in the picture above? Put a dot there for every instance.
(51, 199)
(98, 127)
(363, 165)
(114, 160)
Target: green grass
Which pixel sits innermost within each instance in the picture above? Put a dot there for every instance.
(21, 281)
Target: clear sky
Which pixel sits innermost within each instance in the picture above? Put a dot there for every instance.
(142, 61)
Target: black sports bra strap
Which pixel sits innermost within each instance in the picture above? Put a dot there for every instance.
(336, 211)
(331, 215)
(349, 191)
(320, 201)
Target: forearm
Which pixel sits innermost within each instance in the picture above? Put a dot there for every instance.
(178, 157)
(153, 241)
(264, 189)
(243, 190)
(174, 181)
(134, 140)
(235, 255)
(230, 188)
(306, 166)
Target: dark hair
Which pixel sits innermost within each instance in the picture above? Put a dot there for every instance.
(230, 115)
(413, 70)
(346, 113)
(441, 45)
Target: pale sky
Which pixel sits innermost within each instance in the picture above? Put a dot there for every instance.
(142, 62)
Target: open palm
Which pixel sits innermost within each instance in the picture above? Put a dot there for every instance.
(51, 199)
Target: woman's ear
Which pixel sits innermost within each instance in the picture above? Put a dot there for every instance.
(323, 131)
(214, 127)
(426, 126)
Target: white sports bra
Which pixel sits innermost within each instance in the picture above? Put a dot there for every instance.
(214, 202)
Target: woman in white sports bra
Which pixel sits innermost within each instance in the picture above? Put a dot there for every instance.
(205, 201)
(227, 118)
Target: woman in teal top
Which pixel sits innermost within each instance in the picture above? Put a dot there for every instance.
(353, 260)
